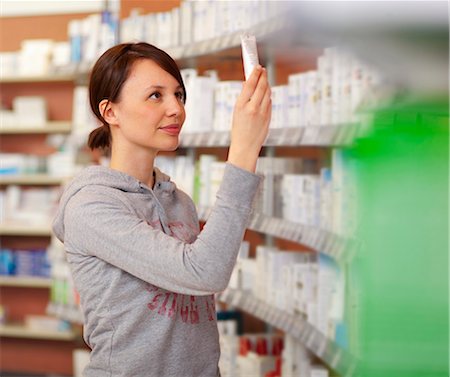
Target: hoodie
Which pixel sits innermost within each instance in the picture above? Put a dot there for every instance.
(145, 273)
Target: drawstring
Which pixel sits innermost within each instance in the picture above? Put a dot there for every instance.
(161, 213)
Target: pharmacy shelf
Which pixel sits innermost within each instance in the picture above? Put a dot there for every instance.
(51, 77)
(48, 128)
(21, 331)
(25, 281)
(31, 179)
(19, 229)
(340, 248)
(296, 325)
(193, 50)
(323, 136)
(66, 312)
(228, 41)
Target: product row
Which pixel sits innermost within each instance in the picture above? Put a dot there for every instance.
(340, 91)
(311, 285)
(337, 93)
(30, 206)
(296, 190)
(26, 111)
(89, 37)
(58, 164)
(265, 355)
(22, 262)
(195, 21)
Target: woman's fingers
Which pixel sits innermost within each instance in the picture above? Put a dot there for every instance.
(250, 86)
(266, 103)
(260, 90)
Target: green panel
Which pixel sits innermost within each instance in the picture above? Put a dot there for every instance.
(400, 272)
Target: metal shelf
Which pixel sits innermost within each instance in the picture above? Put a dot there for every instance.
(321, 136)
(224, 42)
(25, 281)
(55, 77)
(21, 229)
(340, 248)
(326, 349)
(31, 179)
(48, 128)
(21, 331)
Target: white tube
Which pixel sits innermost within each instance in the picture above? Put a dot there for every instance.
(249, 53)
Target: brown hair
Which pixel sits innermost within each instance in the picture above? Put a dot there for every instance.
(110, 73)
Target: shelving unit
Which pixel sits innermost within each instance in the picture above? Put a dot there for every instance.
(296, 325)
(25, 350)
(277, 36)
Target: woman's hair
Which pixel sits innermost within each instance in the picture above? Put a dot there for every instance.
(110, 73)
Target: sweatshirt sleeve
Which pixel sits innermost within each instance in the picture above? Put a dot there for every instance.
(98, 224)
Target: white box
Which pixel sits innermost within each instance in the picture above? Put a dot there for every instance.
(80, 361)
(30, 110)
(35, 57)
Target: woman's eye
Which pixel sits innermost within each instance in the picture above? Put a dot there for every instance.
(155, 95)
(180, 95)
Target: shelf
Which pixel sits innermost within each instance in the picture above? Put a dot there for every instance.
(327, 350)
(224, 42)
(322, 136)
(48, 128)
(20, 229)
(25, 281)
(339, 248)
(196, 49)
(31, 179)
(56, 77)
(20, 331)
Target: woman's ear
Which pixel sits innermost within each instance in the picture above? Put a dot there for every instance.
(107, 111)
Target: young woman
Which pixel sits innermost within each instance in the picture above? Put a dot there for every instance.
(145, 274)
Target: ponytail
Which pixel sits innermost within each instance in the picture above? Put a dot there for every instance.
(100, 138)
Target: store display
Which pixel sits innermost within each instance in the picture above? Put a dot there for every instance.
(327, 105)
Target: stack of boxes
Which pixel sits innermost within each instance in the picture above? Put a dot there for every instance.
(308, 284)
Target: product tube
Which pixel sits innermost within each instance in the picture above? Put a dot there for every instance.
(249, 53)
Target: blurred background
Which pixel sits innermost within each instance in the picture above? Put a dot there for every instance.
(344, 266)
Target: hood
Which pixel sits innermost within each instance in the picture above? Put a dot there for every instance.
(103, 176)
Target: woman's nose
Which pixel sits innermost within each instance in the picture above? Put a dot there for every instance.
(175, 107)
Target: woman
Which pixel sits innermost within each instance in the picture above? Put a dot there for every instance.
(145, 274)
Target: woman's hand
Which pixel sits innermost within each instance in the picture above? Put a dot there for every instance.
(251, 119)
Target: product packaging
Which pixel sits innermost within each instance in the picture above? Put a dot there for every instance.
(249, 53)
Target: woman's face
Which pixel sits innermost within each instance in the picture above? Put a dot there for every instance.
(150, 111)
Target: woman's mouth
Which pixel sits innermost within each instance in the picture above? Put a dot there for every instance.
(171, 129)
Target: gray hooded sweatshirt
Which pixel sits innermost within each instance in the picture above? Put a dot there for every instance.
(145, 273)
